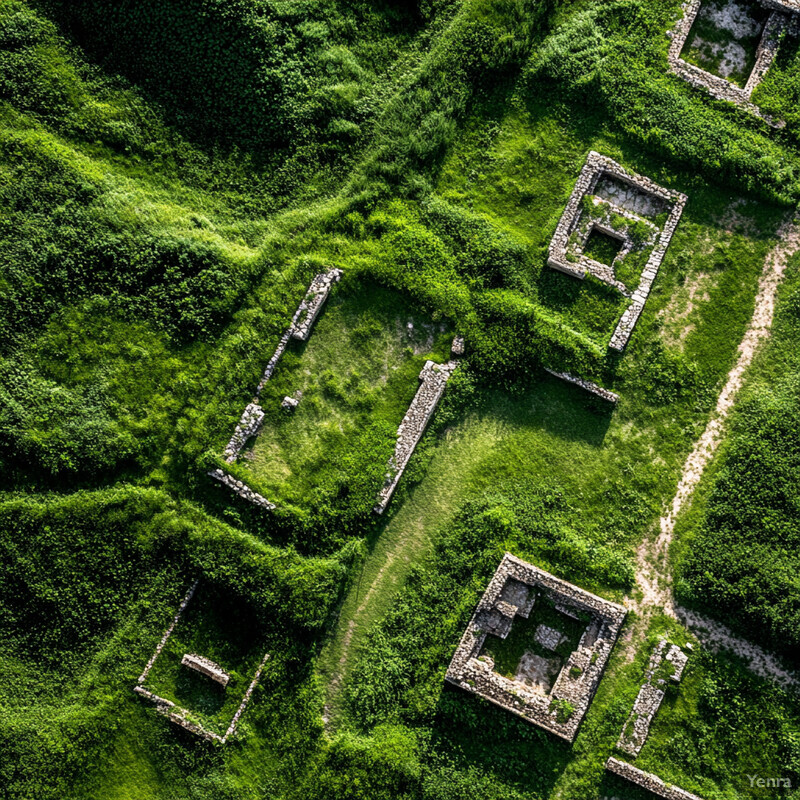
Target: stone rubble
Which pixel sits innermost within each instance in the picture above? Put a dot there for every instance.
(253, 416)
(207, 667)
(241, 488)
(718, 86)
(517, 581)
(458, 346)
(290, 403)
(312, 303)
(434, 378)
(599, 167)
(648, 701)
(249, 425)
(648, 781)
(605, 394)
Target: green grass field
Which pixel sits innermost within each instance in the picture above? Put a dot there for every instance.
(172, 176)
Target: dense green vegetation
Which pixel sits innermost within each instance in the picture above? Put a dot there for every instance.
(172, 175)
(742, 559)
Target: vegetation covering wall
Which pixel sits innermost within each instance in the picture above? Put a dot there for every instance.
(172, 175)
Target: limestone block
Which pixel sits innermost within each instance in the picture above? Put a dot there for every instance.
(206, 667)
(648, 781)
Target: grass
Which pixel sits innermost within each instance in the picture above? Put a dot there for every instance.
(360, 366)
(602, 247)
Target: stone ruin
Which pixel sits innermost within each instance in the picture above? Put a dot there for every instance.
(623, 205)
(253, 416)
(241, 488)
(515, 592)
(205, 666)
(667, 662)
(434, 378)
(647, 781)
(593, 388)
(180, 716)
(782, 17)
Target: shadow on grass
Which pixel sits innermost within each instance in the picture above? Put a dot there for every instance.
(614, 786)
(474, 733)
(199, 692)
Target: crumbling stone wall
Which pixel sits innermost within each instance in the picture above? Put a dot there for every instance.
(651, 695)
(253, 415)
(648, 781)
(168, 632)
(245, 700)
(249, 425)
(312, 303)
(205, 666)
(599, 391)
(241, 488)
(718, 86)
(434, 378)
(579, 676)
(177, 715)
(560, 257)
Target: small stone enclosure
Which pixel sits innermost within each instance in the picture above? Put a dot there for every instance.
(641, 215)
(783, 13)
(204, 666)
(549, 688)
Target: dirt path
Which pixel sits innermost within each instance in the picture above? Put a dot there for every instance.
(653, 572)
(715, 636)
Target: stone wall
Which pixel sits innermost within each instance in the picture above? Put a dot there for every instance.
(168, 632)
(312, 303)
(250, 423)
(579, 676)
(241, 488)
(602, 393)
(597, 167)
(717, 86)
(204, 665)
(207, 667)
(434, 378)
(648, 781)
(651, 695)
(245, 700)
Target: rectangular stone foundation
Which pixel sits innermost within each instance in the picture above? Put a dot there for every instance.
(648, 781)
(783, 14)
(580, 674)
(177, 715)
(598, 167)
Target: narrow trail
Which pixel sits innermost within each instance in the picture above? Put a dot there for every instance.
(653, 574)
(403, 543)
(716, 636)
